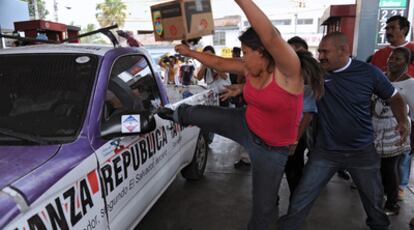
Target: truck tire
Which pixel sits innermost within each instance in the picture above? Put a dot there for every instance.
(209, 136)
(195, 170)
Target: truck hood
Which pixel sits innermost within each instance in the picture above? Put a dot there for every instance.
(17, 161)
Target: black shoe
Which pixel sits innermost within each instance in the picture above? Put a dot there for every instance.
(174, 115)
(166, 113)
(242, 165)
(343, 174)
(392, 210)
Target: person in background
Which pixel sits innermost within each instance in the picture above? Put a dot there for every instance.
(187, 72)
(396, 31)
(171, 68)
(236, 78)
(345, 133)
(386, 139)
(296, 162)
(298, 43)
(406, 158)
(214, 79)
(274, 99)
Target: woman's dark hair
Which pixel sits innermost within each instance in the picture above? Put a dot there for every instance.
(251, 39)
(209, 48)
(312, 73)
(298, 41)
(406, 53)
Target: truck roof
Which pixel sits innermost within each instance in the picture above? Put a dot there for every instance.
(99, 50)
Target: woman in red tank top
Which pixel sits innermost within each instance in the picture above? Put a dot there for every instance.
(274, 95)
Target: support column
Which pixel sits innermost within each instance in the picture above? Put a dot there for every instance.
(410, 36)
(365, 28)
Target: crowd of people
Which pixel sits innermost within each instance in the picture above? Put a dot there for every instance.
(180, 70)
(347, 114)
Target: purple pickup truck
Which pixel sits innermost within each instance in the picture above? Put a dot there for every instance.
(81, 146)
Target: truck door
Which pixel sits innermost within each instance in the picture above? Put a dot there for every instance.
(130, 165)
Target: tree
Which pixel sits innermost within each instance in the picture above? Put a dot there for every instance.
(42, 12)
(111, 12)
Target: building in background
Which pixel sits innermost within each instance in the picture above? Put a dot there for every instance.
(299, 20)
(293, 18)
(340, 18)
(302, 18)
(305, 23)
(226, 32)
(302, 22)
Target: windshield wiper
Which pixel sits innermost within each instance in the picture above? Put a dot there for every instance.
(22, 136)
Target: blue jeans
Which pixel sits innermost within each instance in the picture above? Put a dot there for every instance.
(268, 163)
(364, 167)
(405, 168)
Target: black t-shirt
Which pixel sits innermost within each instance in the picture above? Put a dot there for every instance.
(345, 109)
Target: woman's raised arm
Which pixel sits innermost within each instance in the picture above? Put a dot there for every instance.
(233, 65)
(284, 56)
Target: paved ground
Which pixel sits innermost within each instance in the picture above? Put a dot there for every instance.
(221, 201)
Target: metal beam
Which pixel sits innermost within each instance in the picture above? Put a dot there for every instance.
(365, 28)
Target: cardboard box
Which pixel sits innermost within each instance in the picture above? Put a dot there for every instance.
(182, 19)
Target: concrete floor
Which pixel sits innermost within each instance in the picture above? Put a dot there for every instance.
(222, 200)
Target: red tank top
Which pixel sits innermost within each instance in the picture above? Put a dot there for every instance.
(272, 113)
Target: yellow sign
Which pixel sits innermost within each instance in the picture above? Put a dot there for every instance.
(225, 52)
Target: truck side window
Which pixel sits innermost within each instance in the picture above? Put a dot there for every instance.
(133, 83)
(112, 104)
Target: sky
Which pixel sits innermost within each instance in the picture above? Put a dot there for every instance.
(82, 12)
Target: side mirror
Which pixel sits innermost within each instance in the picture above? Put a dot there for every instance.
(128, 123)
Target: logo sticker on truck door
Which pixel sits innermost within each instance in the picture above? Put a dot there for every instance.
(131, 123)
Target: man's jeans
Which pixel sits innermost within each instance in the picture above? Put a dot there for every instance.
(364, 167)
(405, 168)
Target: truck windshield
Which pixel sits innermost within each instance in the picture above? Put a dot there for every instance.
(44, 97)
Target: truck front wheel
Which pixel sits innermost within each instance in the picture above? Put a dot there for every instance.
(195, 170)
